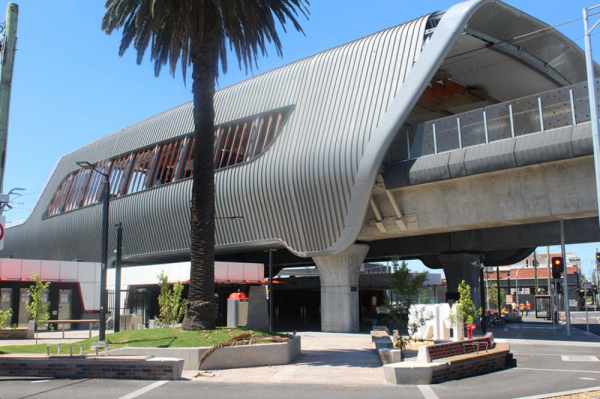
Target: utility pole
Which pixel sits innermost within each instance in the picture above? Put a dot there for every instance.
(535, 271)
(8, 59)
(565, 286)
(589, 63)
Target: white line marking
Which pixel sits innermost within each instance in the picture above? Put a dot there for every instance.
(35, 382)
(552, 394)
(427, 392)
(142, 391)
(559, 370)
(587, 378)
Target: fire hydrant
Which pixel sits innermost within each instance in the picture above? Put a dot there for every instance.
(470, 328)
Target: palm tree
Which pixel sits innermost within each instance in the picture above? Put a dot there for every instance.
(198, 32)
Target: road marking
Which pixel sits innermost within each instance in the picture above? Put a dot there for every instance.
(142, 391)
(587, 378)
(35, 382)
(564, 393)
(427, 392)
(559, 370)
(579, 358)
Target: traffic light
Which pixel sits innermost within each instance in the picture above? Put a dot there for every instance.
(597, 258)
(557, 266)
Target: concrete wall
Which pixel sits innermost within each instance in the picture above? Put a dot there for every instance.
(530, 194)
(226, 357)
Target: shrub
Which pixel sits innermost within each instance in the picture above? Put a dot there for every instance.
(465, 310)
(170, 303)
(5, 316)
(37, 310)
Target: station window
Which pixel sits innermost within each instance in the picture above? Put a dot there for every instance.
(234, 143)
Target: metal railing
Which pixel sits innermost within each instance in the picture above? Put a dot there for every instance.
(566, 106)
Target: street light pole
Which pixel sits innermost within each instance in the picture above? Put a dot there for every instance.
(589, 63)
(104, 247)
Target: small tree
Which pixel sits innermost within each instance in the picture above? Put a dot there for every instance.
(465, 310)
(492, 296)
(406, 288)
(172, 306)
(37, 309)
(5, 316)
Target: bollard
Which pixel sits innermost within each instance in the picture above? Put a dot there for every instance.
(71, 350)
(96, 350)
(106, 349)
(80, 349)
(58, 352)
(47, 350)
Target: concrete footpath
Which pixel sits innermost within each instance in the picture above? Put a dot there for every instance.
(327, 358)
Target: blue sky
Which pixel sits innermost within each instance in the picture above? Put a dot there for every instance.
(71, 88)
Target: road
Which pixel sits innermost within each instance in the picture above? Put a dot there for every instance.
(542, 367)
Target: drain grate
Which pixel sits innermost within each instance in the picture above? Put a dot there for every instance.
(579, 358)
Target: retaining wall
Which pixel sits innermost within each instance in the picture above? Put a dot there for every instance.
(136, 368)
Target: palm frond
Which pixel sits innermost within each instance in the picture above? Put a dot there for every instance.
(172, 28)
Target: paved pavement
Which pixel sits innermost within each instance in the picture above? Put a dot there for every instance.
(345, 365)
(52, 338)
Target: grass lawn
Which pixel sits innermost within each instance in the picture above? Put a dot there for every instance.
(159, 337)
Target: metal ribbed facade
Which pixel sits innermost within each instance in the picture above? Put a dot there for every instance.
(309, 189)
(296, 193)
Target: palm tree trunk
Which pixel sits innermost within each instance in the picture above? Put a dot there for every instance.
(200, 311)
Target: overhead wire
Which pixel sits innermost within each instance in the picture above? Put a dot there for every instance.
(514, 40)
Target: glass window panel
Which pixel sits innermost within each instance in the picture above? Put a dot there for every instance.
(57, 204)
(118, 175)
(141, 169)
(234, 144)
(188, 166)
(260, 138)
(556, 109)
(581, 102)
(166, 165)
(526, 116)
(498, 122)
(472, 129)
(80, 181)
(227, 146)
(421, 140)
(93, 194)
(446, 134)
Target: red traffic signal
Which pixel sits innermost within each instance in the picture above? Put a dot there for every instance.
(557, 266)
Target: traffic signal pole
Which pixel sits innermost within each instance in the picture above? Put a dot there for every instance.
(565, 286)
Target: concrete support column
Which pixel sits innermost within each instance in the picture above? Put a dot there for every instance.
(459, 267)
(339, 289)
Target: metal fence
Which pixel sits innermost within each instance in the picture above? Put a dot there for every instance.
(567, 106)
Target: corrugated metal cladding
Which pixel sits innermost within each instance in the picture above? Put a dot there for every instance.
(296, 192)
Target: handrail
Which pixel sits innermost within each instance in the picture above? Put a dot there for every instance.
(527, 118)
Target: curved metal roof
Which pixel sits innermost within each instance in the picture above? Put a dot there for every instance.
(309, 190)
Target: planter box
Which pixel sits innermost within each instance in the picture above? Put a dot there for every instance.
(14, 333)
(228, 357)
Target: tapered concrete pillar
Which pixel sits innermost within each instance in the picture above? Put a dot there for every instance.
(459, 267)
(339, 289)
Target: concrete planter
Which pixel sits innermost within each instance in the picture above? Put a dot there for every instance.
(14, 333)
(225, 358)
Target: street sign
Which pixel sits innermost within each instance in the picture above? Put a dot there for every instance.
(2, 224)
(509, 299)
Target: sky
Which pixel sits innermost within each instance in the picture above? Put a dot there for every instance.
(70, 87)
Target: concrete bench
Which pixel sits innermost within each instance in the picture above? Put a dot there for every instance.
(429, 353)
(448, 368)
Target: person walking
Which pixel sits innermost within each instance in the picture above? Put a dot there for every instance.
(527, 307)
(521, 308)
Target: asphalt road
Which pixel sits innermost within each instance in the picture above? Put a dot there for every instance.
(542, 368)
